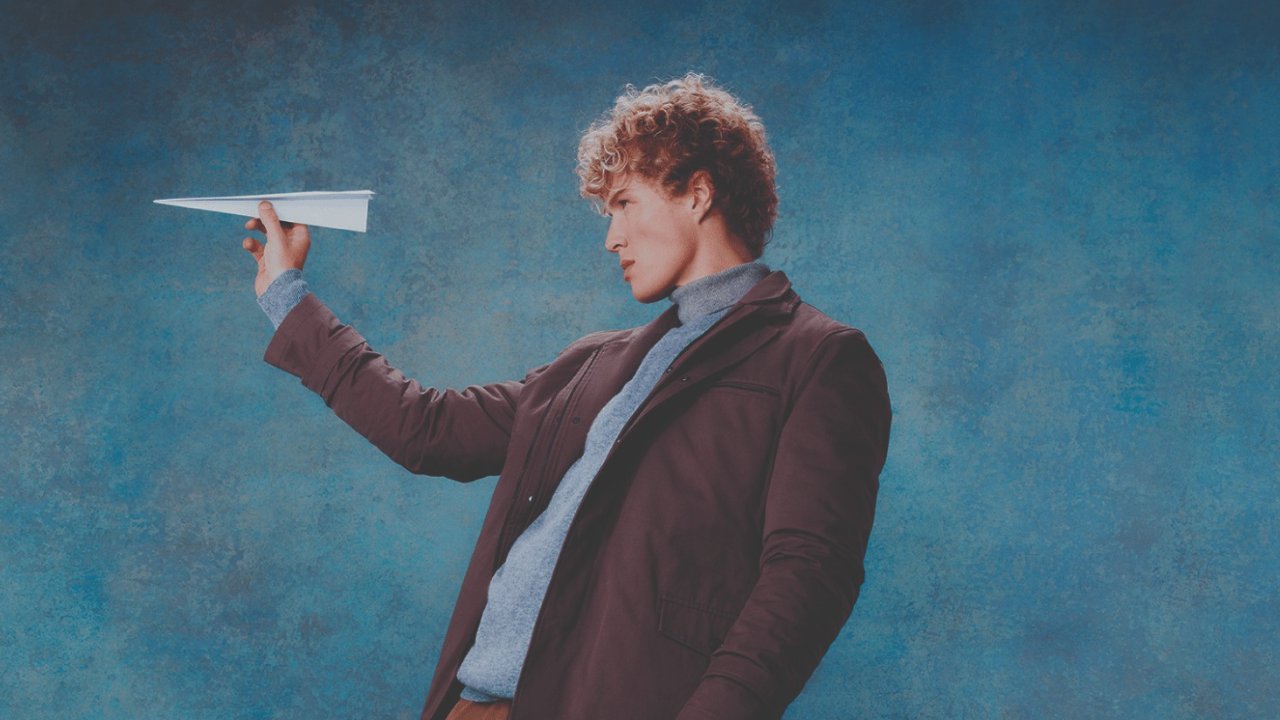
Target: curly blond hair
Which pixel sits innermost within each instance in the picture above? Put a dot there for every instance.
(667, 132)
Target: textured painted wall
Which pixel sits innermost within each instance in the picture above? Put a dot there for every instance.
(1056, 222)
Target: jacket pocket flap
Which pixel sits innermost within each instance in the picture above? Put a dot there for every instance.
(700, 629)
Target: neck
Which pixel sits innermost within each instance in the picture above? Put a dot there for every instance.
(717, 250)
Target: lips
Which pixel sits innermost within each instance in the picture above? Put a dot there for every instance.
(626, 264)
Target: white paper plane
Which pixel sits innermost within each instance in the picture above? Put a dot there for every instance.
(344, 210)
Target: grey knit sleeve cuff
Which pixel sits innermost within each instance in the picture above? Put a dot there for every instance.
(282, 295)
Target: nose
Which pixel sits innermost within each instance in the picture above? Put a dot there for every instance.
(613, 239)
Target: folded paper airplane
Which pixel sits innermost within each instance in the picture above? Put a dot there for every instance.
(345, 210)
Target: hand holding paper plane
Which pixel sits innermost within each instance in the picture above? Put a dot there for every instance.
(344, 210)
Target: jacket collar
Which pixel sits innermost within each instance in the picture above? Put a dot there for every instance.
(771, 296)
(774, 288)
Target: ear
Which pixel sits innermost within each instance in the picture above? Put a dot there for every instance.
(702, 194)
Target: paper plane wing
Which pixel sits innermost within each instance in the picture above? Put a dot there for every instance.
(345, 210)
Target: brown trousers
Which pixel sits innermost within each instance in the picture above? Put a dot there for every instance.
(467, 710)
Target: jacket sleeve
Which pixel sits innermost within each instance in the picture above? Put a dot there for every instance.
(818, 514)
(462, 435)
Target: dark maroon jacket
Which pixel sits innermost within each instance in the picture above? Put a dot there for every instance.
(718, 552)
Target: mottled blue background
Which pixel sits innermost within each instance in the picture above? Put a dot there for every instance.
(1056, 222)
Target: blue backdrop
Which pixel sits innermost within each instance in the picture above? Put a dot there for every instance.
(1056, 222)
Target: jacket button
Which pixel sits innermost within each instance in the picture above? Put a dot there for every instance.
(667, 370)
(530, 498)
(684, 379)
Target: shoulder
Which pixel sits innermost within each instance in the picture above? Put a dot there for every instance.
(567, 361)
(588, 344)
(810, 331)
(816, 346)
(810, 323)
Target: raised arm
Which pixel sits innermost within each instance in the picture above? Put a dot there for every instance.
(461, 435)
(818, 515)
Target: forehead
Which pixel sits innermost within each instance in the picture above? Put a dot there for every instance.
(634, 183)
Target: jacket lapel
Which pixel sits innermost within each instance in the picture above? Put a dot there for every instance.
(746, 328)
(742, 331)
(736, 334)
(617, 362)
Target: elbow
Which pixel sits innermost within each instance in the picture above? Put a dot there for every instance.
(811, 561)
(457, 466)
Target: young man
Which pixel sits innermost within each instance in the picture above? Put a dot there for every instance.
(682, 508)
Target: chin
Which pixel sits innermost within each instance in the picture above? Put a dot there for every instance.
(649, 295)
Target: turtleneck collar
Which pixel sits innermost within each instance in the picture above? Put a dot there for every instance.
(715, 292)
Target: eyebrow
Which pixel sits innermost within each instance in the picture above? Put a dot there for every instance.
(614, 195)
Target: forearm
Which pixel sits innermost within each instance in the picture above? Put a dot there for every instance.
(457, 434)
(802, 599)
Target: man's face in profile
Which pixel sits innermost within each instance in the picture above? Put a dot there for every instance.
(654, 235)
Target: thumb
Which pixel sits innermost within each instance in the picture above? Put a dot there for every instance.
(270, 222)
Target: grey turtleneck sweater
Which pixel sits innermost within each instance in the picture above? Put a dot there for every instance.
(492, 666)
